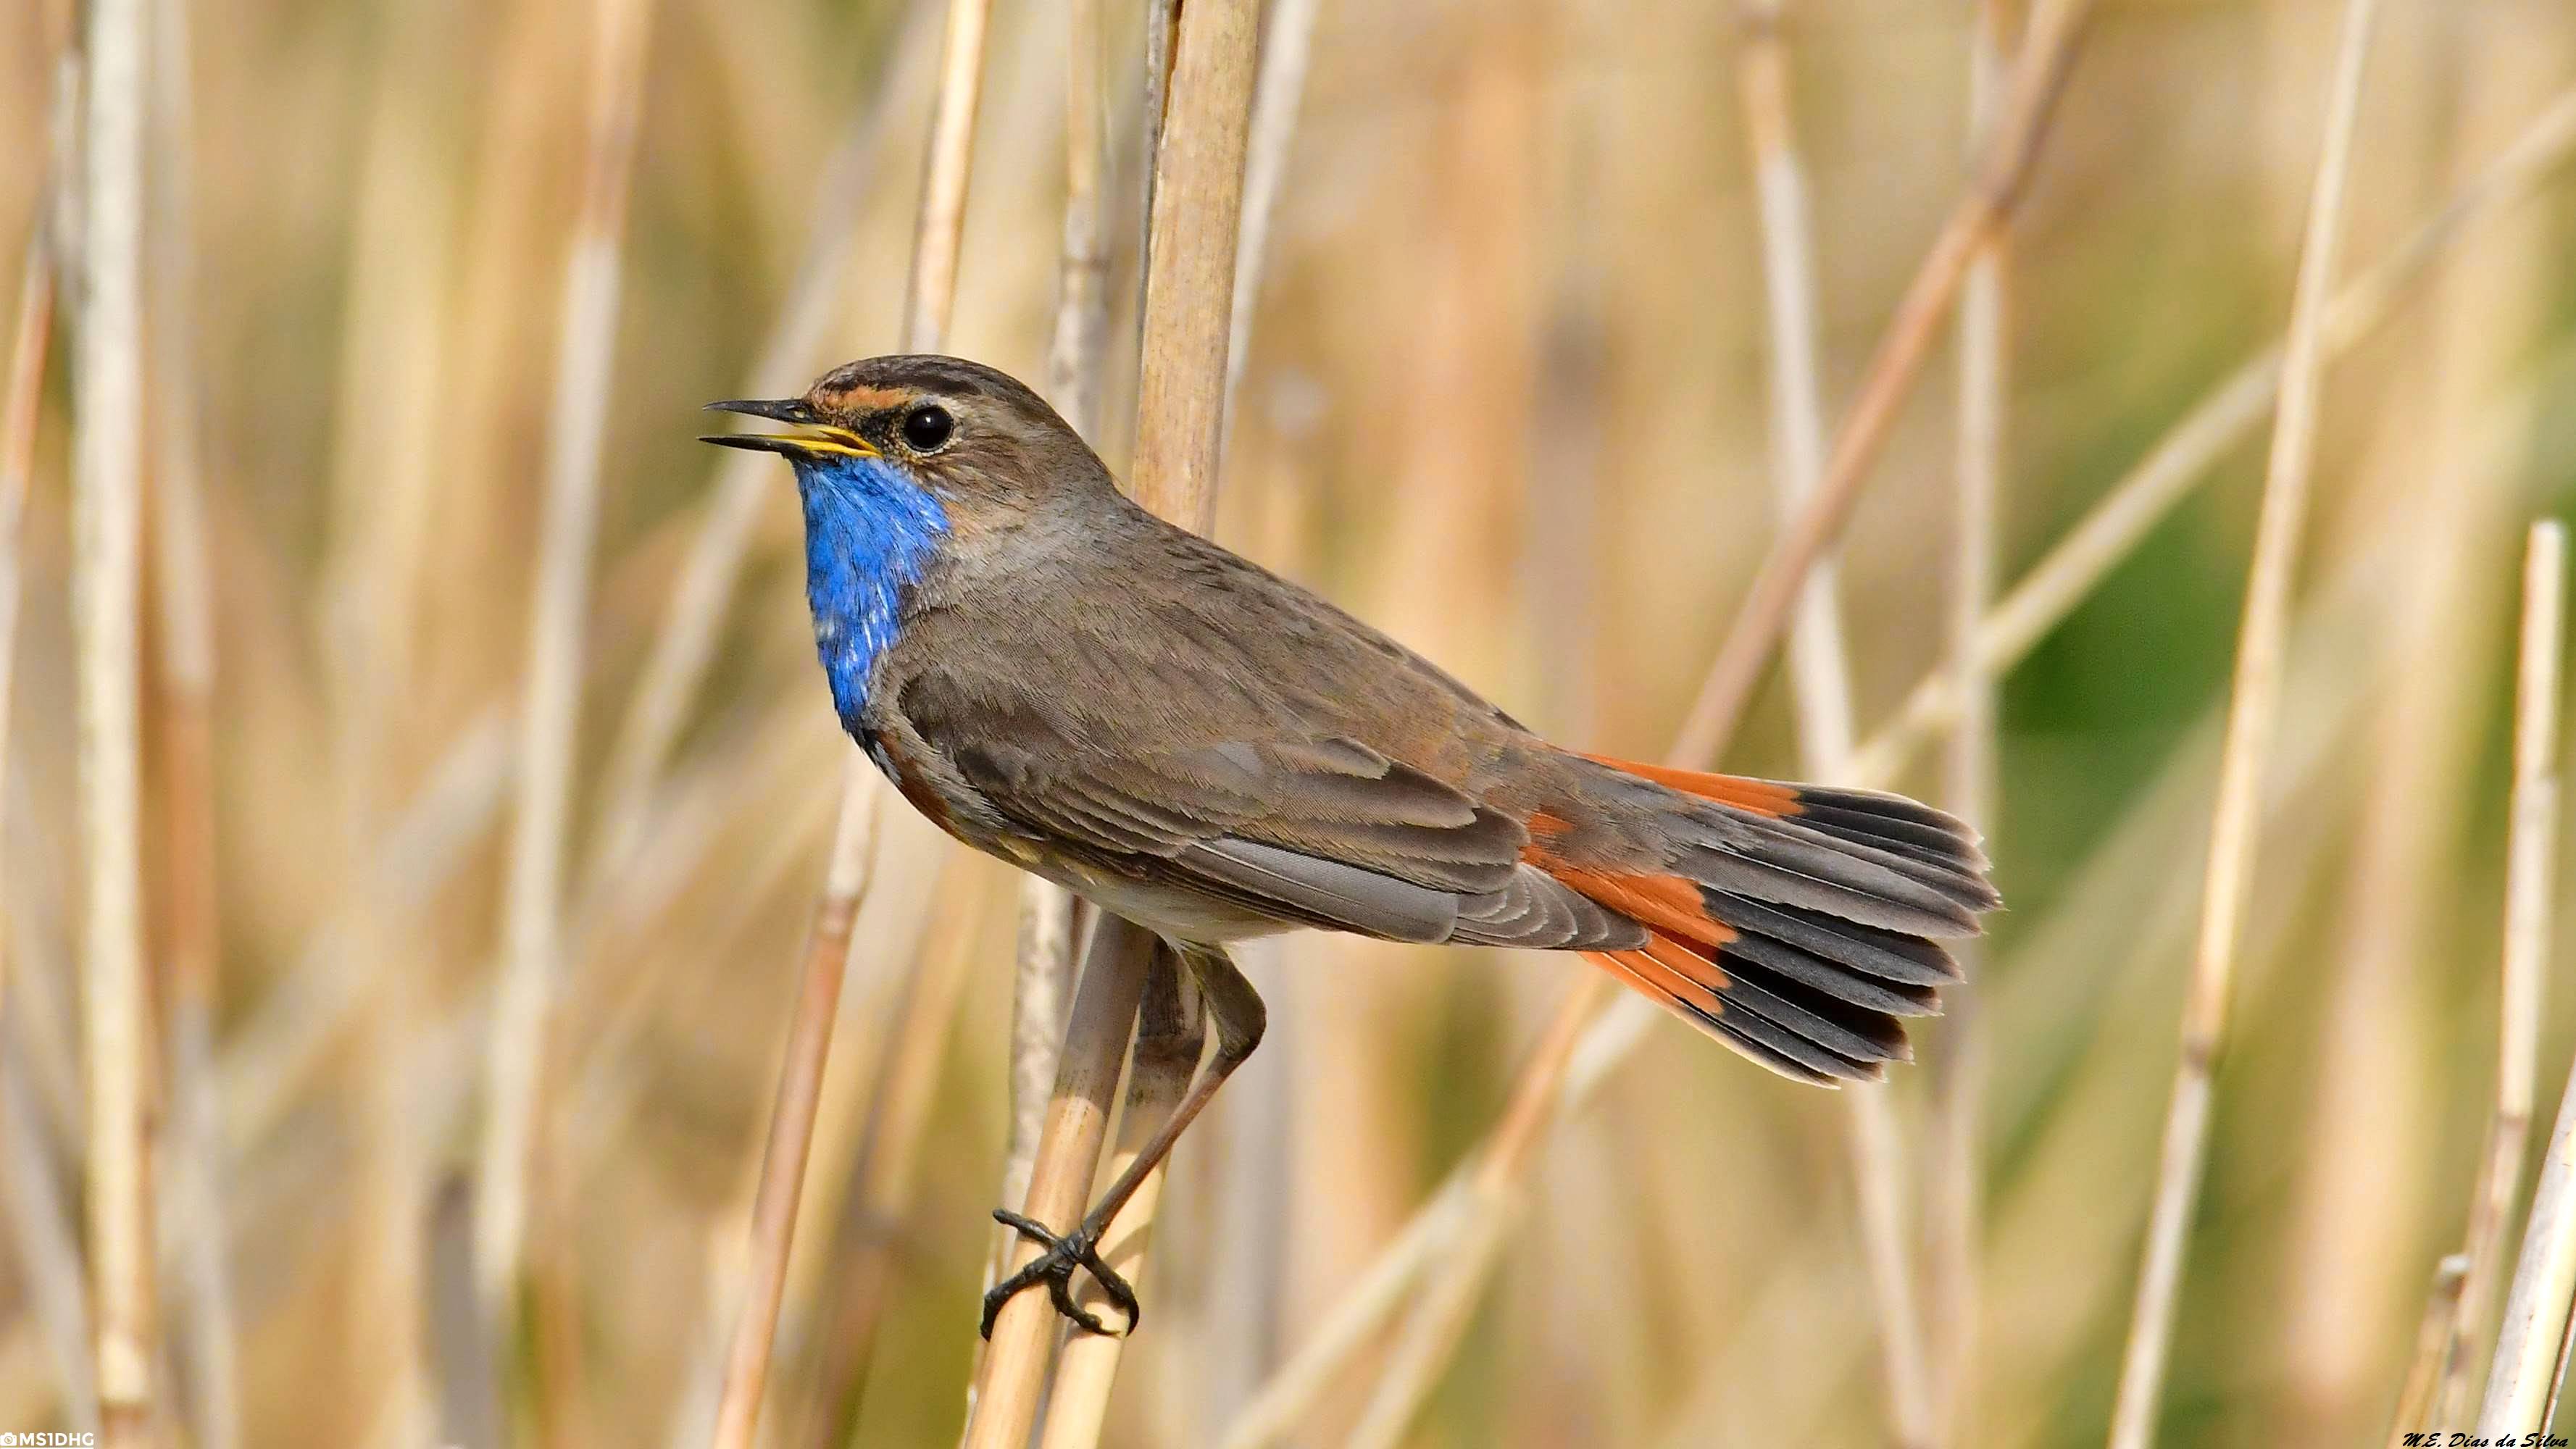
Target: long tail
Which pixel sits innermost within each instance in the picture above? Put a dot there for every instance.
(1798, 925)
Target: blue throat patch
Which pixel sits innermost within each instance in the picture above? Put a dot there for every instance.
(869, 532)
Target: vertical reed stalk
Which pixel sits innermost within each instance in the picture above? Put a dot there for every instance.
(515, 1160)
(107, 580)
(1197, 201)
(1819, 666)
(866, 1248)
(2001, 175)
(1954, 1199)
(195, 1210)
(2254, 702)
(929, 299)
(2432, 1346)
(1287, 44)
(2530, 868)
(31, 337)
(2528, 1357)
(1011, 1381)
(1043, 965)
(37, 1207)
(1169, 1034)
(791, 1130)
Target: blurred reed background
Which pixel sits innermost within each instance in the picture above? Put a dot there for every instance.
(487, 783)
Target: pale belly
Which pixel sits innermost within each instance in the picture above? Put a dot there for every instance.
(1174, 914)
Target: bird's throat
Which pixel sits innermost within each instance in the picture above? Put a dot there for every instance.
(870, 531)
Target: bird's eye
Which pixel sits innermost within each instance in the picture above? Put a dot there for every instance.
(926, 428)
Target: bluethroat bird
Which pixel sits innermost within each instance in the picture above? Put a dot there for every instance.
(1059, 678)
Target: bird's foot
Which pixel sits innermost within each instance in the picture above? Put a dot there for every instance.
(1054, 1267)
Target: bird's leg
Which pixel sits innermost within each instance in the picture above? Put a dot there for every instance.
(1234, 1010)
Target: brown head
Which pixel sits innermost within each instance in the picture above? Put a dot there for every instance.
(976, 438)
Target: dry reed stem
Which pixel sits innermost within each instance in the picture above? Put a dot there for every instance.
(1082, 270)
(791, 1136)
(108, 523)
(2254, 697)
(38, 1210)
(2529, 869)
(866, 1243)
(550, 712)
(2178, 462)
(1011, 1379)
(1954, 1195)
(2525, 1374)
(1189, 285)
(31, 337)
(1819, 665)
(1287, 45)
(1489, 1199)
(2046, 594)
(685, 644)
(41, 1228)
(1169, 1034)
(2432, 1345)
(929, 298)
(1043, 953)
(2039, 76)
(1041, 986)
(1281, 1402)
(1431, 1333)
(194, 1209)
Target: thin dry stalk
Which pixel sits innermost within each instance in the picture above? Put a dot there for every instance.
(1431, 1333)
(2432, 1343)
(31, 339)
(791, 1136)
(1168, 1039)
(1041, 985)
(1180, 412)
(42, 1229)
(107, 579)
(2181, 459)
(1040, 979)
(2254, 699)
(2525, 1374)
(195, 1210)
(1489, 1201)
(551, 711)
(2002, 172)
(1436, 1229)
(1820, 671)
(1954, 1198)
(1011, 1381)
(1287, 44)
(39, 1221)
(2529, 869)
(866, 1244)
(1082, 271)
(929, 299)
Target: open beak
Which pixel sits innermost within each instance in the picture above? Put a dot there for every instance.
(812, 438)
